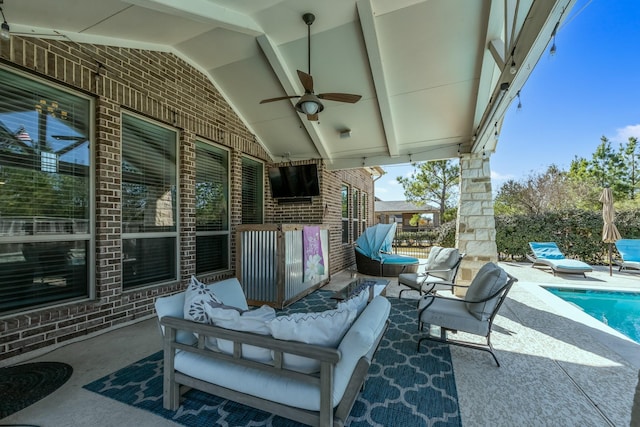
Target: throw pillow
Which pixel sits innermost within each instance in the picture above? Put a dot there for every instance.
(326, 329)
(356, 303)
(247, 321)
(196, 298)
(488, 281)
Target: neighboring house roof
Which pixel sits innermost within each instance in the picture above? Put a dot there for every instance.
(402, 206)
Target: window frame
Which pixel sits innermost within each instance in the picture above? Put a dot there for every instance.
(344, 196)
(260, 192)
(226, 232)
(89, 237)
(153, 234)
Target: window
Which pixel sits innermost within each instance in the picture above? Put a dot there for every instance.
(345, 214)
(45, 193)
(252, 191)
(356, 213)
(212, 208)
(149, 195)
(364, 209)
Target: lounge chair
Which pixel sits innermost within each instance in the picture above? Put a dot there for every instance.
(439, 273)
(473, 314)
(547, 254)
(373, 253)
(629, 250)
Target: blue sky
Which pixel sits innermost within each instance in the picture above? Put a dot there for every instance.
(590, 88)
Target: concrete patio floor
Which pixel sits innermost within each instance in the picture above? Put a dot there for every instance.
(560, 367)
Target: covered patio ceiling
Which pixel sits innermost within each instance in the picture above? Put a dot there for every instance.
(436, 76)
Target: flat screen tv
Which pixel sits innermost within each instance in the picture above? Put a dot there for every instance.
(294, 181)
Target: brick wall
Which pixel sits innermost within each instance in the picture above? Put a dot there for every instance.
(166, 89)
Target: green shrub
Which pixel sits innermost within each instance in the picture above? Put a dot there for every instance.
(577, 232)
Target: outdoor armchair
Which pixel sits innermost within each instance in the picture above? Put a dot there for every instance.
(473, 314)
(439, 273)
(547, 254)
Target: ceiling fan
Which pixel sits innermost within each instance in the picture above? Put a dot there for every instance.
(309, 103)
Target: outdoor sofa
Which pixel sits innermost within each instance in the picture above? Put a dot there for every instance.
(309, 383)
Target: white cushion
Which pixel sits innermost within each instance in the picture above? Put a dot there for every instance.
(247, 321)
(356, 303)
(173, 306)
(325, 329)
(453, 314)
(230, 292)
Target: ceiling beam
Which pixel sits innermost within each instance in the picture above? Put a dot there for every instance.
(530, 43)
(290, 86)
(204, 11)
(370, 34)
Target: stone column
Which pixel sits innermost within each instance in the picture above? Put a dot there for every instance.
(475, 225)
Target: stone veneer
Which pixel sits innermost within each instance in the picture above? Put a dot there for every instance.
(475, 226)
(165, 89)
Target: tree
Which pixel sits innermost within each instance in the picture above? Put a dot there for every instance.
(544, 192)
(434, 183)
(631, 162)
(606, 168)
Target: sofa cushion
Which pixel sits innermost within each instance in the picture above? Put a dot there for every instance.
(173, 306)
(489, 279)
(325, 329)
(246, 321)
(230, 292)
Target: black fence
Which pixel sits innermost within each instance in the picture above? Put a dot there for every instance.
(414, 243)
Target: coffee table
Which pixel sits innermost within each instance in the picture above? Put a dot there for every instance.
(375, 287)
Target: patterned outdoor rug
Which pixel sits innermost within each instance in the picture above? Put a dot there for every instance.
(403, 389)
(23, 385)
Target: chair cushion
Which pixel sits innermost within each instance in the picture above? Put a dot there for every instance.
(398, 259)
(356, 303)
(546, 250)
(452, 314)
(173, 306)
(442, 259)
(416, 280)
(629, 250)
(488, 281)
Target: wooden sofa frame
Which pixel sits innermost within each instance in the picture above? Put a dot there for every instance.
(328, 358)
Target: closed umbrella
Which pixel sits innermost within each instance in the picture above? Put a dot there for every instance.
(610, 233)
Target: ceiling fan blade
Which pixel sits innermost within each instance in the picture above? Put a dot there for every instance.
(340, 97)
(312, 117)
(306, 80)
(280, 98)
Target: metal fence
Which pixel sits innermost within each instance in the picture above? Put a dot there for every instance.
(413, 243)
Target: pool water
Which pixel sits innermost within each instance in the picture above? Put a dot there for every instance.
(619, 310)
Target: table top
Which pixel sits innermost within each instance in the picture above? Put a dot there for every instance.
(355, 286)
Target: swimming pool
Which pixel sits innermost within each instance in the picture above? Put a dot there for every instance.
(619, 310)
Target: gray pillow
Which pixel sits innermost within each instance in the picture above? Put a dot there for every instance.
(442, 259)
(489, 279)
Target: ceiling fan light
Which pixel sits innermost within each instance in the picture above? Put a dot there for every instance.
(309, 107)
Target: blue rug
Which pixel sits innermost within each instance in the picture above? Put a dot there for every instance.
(403, 389)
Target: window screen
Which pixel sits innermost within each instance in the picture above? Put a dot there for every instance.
(252, 191)
(149, 202)
(45, 197)
(212, 208)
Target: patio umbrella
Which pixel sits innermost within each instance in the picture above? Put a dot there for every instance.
(610, 232)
